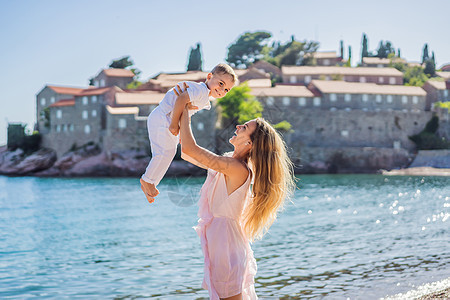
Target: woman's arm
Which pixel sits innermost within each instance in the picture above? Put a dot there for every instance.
(226, 165)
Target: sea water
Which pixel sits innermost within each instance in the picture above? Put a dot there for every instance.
(341, 237)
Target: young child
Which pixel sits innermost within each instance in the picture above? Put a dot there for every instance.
(163, 122)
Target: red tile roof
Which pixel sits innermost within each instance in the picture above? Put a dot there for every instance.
(94, 91)
(65, 90)
(64, 102)
(118, 73)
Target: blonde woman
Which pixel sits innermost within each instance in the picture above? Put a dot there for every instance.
(232, 212)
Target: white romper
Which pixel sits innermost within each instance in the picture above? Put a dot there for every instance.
(163, 143)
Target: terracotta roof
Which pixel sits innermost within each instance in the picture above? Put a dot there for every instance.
(325, 54)
(260, 82)
(66, 90)
(439, 85)
(94, 91)
(188, 76)
(122, 110)
(139, 98)
(359, 71)
(63, 102)
(340, 87)
(446, 68)
(118, 73)
(445, 75)
(283, 90)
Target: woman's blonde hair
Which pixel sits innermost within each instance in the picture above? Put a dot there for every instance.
(273, 179)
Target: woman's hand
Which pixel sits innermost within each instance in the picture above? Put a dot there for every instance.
(178, 90)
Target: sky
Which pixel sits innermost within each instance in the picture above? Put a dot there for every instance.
(67, 42)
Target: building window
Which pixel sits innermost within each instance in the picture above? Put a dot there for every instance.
(96, 83)
(64, 127)
(307, 79)
(381, 79)
(389, 98)
(392, 80)
(365, 97)
(286, 101)
(200, 126)
(333, 97)
(397, 145)
(94, 99)
(327, 78)
(302, 101)
(270, 100)
(344, 133)
(52, 99)
(316, 101)
(94, 113)
(405, 99)
(85, 100)
(85, 114)
(102, 82)
(348, 97)
(293, 79)
(333, 109)
(379, 99)
(58, 128)
(415, 99)
(87, 129)
(445, 93)
(122, 123)
(326, 62)
(42, 101)
(362, 79)
(58, 114)
(71, 127)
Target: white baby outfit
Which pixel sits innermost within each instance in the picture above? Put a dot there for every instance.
(163, 143)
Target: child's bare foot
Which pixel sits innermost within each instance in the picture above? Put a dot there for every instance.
(174, 129)
(149, 190)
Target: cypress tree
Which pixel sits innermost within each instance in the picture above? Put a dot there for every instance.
(342, 49)
(425, 55)
(365, 52)
(195, 59)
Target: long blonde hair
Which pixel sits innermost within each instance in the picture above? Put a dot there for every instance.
(273, 179)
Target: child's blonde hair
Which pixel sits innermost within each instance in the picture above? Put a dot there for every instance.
(225, 69)
(273, 179)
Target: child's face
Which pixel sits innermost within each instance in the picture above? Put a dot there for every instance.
(219, 84)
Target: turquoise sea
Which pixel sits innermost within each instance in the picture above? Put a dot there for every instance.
(341, 237)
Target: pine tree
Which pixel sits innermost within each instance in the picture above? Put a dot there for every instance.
(195, 59)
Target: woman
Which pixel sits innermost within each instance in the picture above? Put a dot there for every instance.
(231, 212)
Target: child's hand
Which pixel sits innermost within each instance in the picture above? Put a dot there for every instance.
(174, 129)
(190, 106)
(177, 89)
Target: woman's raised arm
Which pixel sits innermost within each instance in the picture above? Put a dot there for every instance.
(226, 165)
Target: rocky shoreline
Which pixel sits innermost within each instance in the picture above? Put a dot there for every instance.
(90, 161)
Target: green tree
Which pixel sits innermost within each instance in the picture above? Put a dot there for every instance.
(283, 126)
(195, 59)
(122, 63)
(430, 68)
(341, 48)
(414, 76)
(365, 51)
(428, 139)
(247, 49)
(239, 105)
(425, 55)
(349, 61)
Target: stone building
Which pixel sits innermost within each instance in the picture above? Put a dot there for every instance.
(436, 91)
(304, 74)
(113, 77)
(327, 58)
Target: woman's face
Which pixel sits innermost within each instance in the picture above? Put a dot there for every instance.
(243, 133)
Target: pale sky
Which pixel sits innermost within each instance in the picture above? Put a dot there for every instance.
(67, 42)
